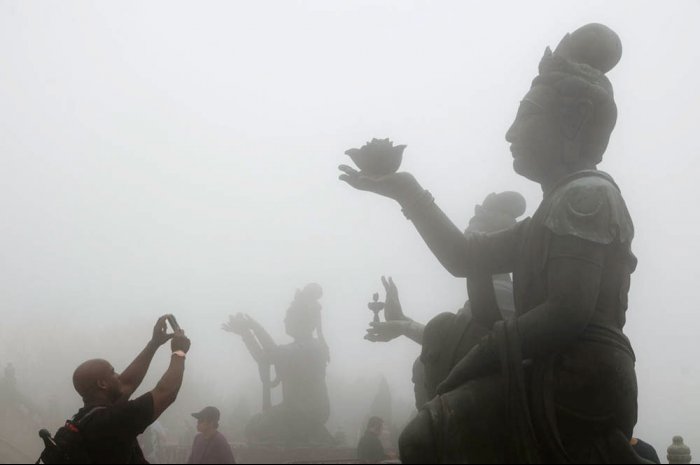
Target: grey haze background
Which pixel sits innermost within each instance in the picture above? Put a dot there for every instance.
(171, 156)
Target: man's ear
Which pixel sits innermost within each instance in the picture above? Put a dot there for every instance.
(102, 385)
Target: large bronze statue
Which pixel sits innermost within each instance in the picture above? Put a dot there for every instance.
(449, 336)
(300, 368)
(556, 383)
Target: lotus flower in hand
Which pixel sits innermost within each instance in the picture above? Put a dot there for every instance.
(380, 157)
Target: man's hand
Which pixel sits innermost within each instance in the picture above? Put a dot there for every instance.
(392, 306)
(386, 331)
(134, 374)
(160, 332)
(401, 187)
(180, 342)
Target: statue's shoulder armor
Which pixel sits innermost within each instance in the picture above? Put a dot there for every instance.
(590, 206)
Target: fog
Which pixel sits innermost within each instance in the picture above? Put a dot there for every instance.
(181, 157)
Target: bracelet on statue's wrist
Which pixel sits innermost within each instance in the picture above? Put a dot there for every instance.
(413, 330)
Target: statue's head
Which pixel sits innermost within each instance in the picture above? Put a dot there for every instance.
(565, 121)
(497, 212)
(304, 314)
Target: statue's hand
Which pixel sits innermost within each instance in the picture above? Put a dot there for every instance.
(401, 187)
(386, 331)
(236, 324)
(392, 305)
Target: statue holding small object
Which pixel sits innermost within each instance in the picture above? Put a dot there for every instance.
(449, 336)
(376, 306)
(556, 383)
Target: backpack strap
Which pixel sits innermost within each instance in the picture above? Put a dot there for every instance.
(79, 420)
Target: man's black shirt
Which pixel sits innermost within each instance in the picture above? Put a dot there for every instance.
(109, 433)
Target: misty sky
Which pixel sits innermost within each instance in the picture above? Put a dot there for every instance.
(170, 156)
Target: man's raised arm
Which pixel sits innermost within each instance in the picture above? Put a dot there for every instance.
(167, 389)
(133, 376)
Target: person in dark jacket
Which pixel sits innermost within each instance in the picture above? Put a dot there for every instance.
(210, 446)
(645, 450)
(370, 448)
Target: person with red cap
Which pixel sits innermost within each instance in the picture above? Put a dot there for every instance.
(210, 446)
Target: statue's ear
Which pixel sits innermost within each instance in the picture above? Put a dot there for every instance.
(574, 117)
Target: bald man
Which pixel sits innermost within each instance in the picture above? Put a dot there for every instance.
(110, 421)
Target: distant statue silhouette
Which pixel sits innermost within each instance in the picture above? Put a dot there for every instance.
(300, 367)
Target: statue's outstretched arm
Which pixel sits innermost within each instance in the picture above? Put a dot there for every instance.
(461, 256)
(386, 331)
(268, 344)
(465, 256)
(245, 327)
(253, 346)
(574, 271)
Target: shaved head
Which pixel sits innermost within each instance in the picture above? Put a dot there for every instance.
(96, 379)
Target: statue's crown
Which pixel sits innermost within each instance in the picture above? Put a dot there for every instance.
(587, 53)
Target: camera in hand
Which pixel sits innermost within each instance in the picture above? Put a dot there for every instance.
(173, 323)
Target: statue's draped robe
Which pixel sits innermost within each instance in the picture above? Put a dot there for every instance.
(301, 417)
(573, 404)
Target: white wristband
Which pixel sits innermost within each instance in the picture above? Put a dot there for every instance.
(180, 353)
